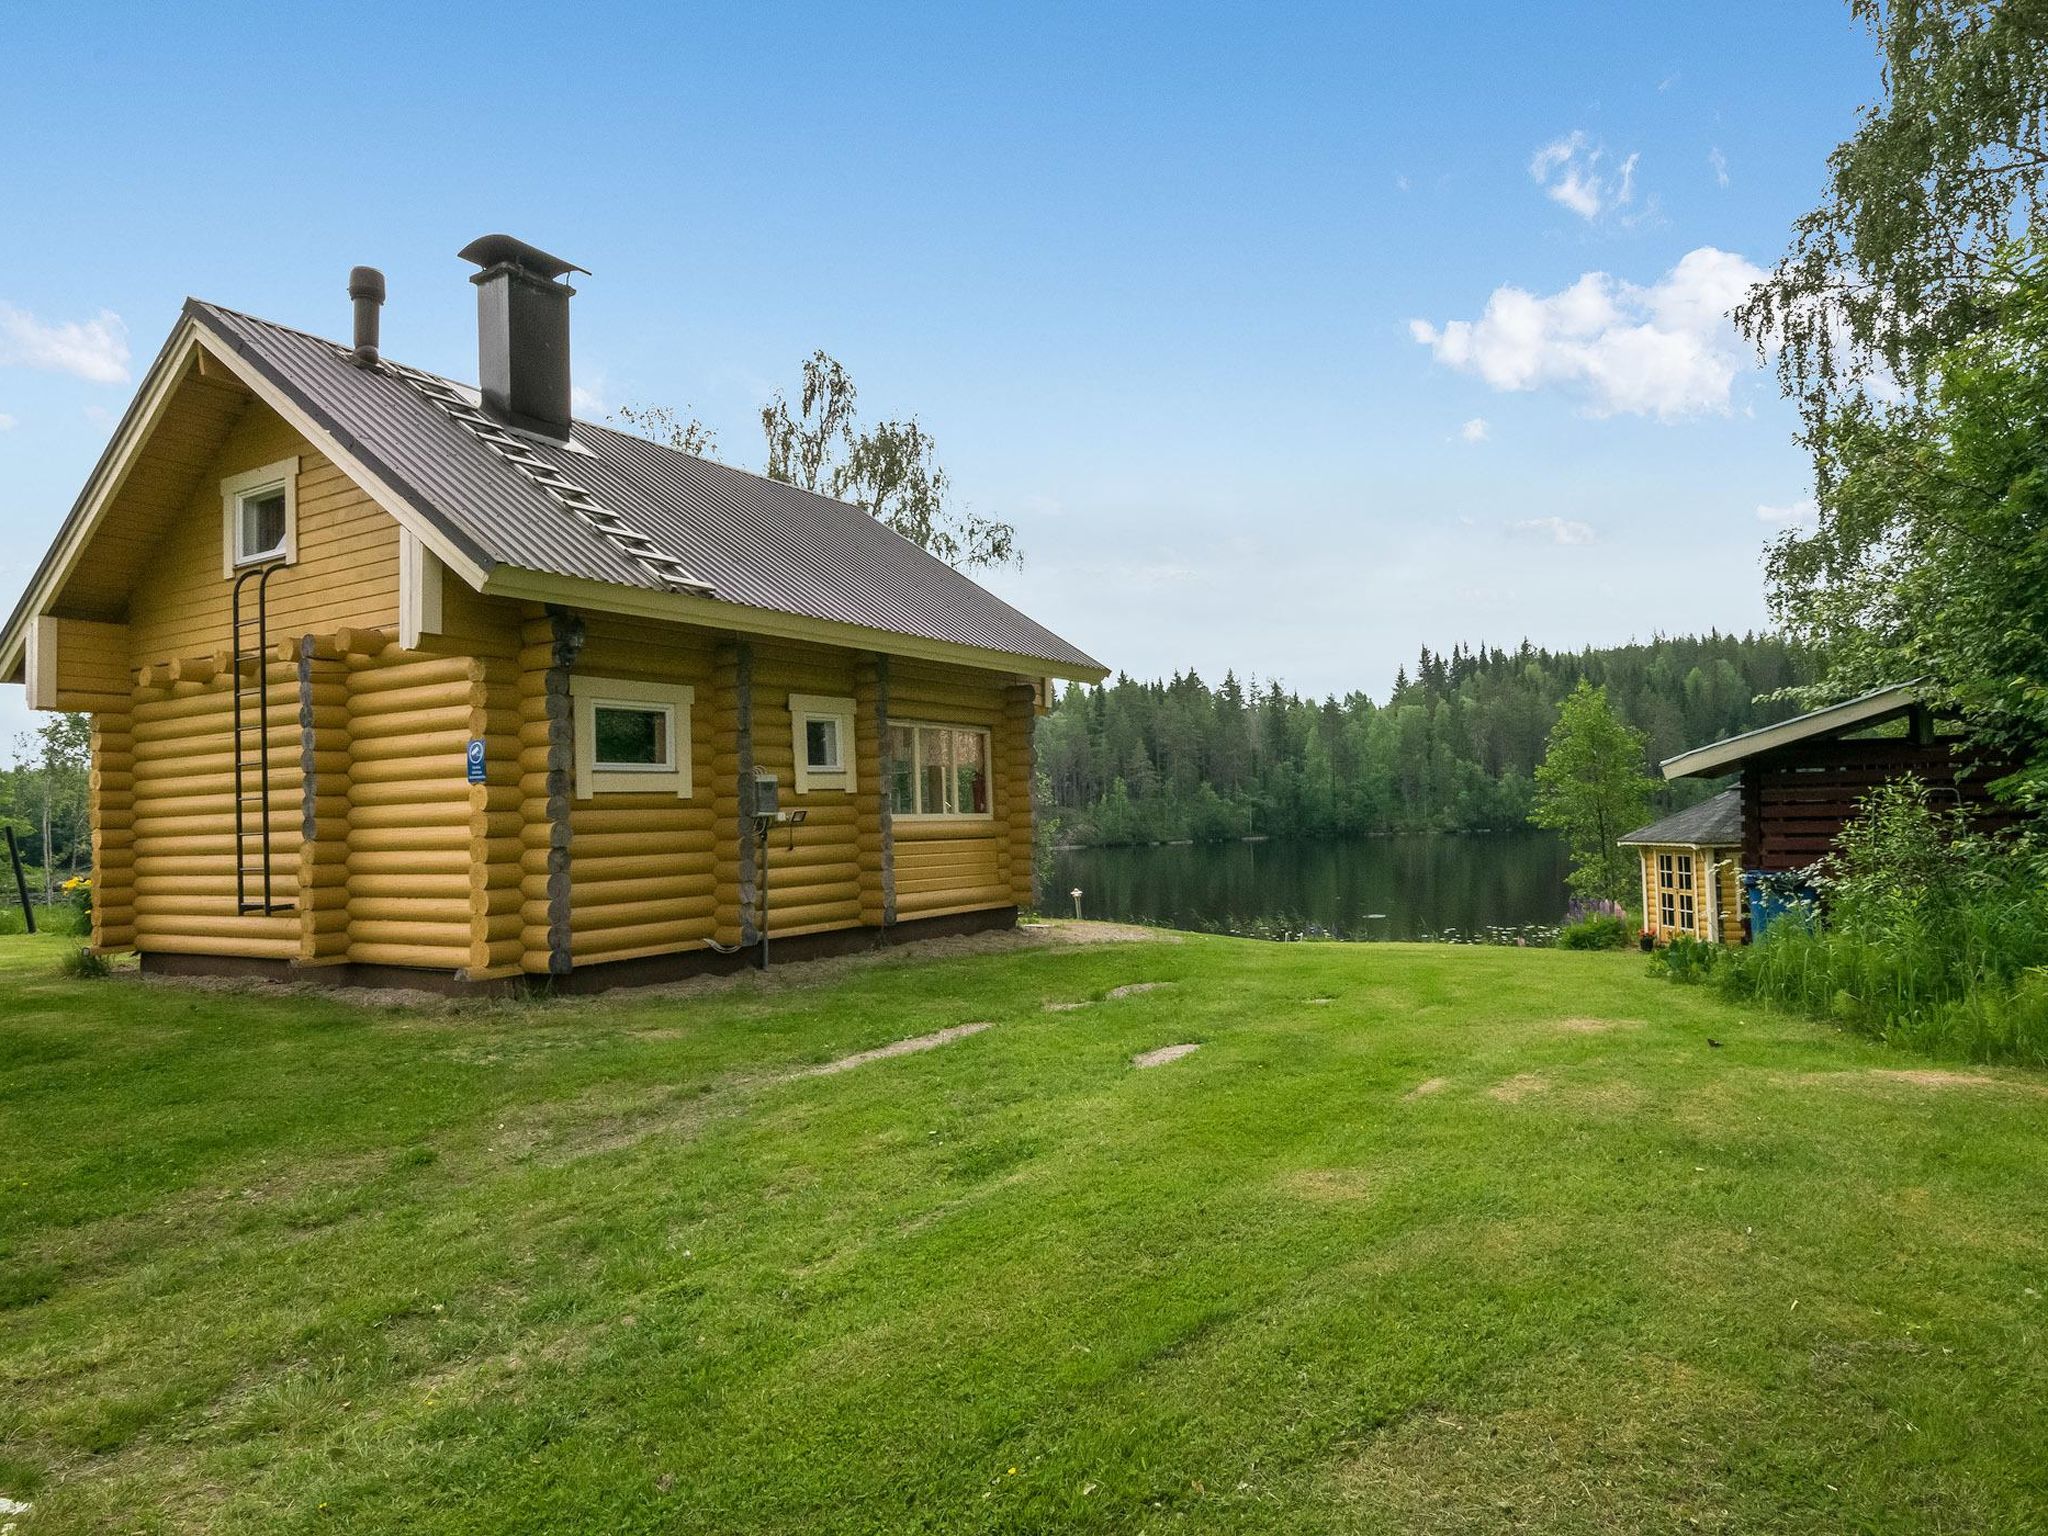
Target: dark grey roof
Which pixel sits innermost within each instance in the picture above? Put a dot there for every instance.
(750, 540)
(1715, 823)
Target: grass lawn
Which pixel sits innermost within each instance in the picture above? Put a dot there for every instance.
(1421, 1239)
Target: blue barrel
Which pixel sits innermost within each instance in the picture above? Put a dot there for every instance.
(1773, 898)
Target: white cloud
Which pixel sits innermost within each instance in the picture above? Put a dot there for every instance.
(1804, 513)
(1668, 350)
(1400, 183)
(1719, 162)
(1559, 530)
(1569, 172)
(95, 350)
(1476, 430)
(591, 399)
(8, 423)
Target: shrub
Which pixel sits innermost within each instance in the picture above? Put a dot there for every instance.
(1687, 959)
(1596, 924)
(83, 964)
(1933, 936)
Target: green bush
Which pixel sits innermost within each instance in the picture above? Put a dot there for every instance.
(1687, 959)
(84, 964)
(1602, 930)
(1933, 936)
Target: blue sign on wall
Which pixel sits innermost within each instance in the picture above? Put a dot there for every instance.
(476, 761)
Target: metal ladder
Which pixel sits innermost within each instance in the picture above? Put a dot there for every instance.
(249, 681)
(658, 562)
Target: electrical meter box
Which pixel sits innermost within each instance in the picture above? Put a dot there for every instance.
(767, 795)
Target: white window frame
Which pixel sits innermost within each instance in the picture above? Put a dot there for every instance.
(917, 777)
(671, 699)
(236, 489)
(803, 709)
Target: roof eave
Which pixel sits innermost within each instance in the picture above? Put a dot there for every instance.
(714, 613)
(1873, 708)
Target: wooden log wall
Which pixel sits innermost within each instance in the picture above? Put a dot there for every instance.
(726, 719)
(1795, 802)
(409, 850)
(813, 871)
(113, 830)
(871, 796)
(549, 644)
(951, 864)
(324, 761)
(642, 867)
(1013, 798)
(184, 814)
(346, 571)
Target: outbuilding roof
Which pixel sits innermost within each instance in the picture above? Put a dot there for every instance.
(1715, 823)
(1867, 709)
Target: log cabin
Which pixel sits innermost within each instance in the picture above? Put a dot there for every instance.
(392, 679)
(1798, 784)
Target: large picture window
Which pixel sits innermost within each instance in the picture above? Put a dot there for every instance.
(631, 738)
(937, 770)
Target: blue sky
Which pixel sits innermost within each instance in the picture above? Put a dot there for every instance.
(1281, 332)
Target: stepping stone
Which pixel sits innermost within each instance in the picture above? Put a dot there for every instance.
(1163, 1055)
(1134, 988)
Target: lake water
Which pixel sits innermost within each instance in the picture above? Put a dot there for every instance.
(1373, 888)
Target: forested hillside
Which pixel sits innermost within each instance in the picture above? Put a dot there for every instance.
(1453, 748)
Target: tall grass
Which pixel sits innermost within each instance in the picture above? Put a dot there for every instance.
(1933, 938)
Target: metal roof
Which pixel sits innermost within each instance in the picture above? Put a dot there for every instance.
(1872, 708)
(752, 541)
(1715, 823)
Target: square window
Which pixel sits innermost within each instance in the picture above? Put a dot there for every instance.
(259, 526)
(259, 509)
(629, 737)
(821, 744)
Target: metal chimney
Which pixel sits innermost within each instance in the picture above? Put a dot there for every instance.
(522, 313)
(366, 291)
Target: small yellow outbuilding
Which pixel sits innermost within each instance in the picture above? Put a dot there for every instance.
(1691, 871)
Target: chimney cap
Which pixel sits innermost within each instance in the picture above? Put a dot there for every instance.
(502, 250)
(366, 283)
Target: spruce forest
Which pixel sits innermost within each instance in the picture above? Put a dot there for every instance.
(1453, 749)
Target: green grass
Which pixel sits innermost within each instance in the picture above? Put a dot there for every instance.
(296, 1264)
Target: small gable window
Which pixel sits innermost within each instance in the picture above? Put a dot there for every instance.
(821, 737)
(260, 513)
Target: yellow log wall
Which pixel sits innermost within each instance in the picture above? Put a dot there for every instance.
(813, 871)
(113, 830)
(719, 720)
(183, 809)
(871, 798)
(643, 867)
(953, 864)
(409, 848)
(323, 804)
(345, 573)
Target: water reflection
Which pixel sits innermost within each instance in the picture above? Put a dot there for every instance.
(1378, 888)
